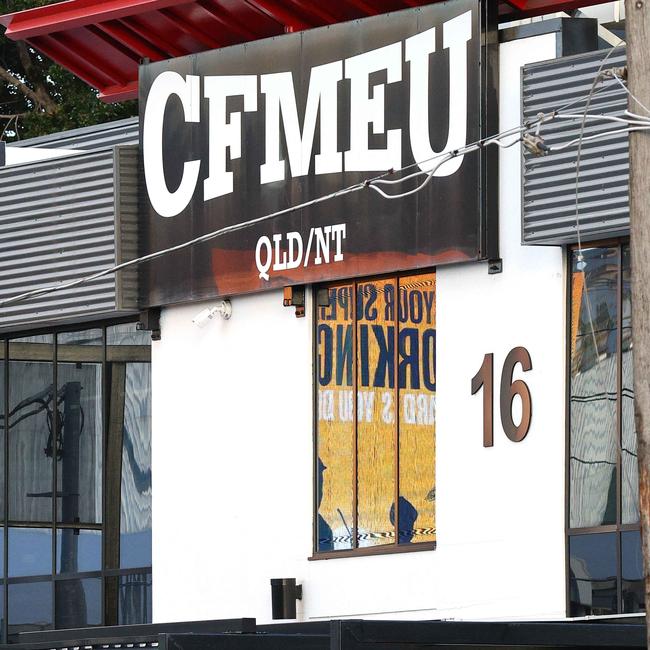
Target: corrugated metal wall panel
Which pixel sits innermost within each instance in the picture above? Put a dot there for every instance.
(100, 136)
(549, 183)
(57, 223)
(126, 224)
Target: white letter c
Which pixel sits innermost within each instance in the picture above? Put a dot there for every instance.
(164, 202)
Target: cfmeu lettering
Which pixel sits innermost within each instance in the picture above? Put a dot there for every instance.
(276, 92)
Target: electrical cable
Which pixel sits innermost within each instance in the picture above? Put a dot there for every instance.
(635, 124)
(197, 240)
(600, 92)
(429, 175)
(597, 79)
(597, 136)
(371, 183)
(636, 116)
(581, 264)
(627, 90)
(642, 126)
(637, 119)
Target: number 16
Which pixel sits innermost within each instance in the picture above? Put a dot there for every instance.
(484, 379)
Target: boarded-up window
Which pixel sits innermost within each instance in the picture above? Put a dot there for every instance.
(376, 403)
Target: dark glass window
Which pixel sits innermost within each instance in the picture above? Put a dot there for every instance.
(78, 550)
(592, 571)
(129, 447)
(77, 527)
(126, 334)
(594, 363)
(135, 516)
(79, 456)
(31, 424)
(603, 509)
(78, 602)
(29, 607)
(629, 464)
(632, 572)
(30, 551)
(135, 599)
(3, 619)
(3, 419)
(376, 392)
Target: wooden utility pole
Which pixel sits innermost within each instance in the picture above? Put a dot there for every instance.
(637, 19)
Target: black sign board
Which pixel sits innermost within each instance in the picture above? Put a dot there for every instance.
(245, 131)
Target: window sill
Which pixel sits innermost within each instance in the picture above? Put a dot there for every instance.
(387, 549)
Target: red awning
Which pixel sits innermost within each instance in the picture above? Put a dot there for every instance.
(103, 41)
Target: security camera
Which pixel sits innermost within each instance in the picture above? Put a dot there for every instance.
(224, 309)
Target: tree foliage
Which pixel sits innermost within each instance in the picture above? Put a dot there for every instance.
(38, 97)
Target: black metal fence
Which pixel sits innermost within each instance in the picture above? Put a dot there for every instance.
(245, 634)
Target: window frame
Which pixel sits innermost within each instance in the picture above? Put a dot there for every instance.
(617, 528)
(381, 549)
(105, 573)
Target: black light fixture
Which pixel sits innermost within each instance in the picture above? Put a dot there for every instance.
(150, 322)
(284, 593)
(323, 297)
(295, 297)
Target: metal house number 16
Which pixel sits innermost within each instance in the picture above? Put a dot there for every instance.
(484, 378)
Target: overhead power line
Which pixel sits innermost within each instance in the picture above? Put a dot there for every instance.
(504, 139)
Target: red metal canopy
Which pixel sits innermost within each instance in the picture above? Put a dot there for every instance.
(103, 41)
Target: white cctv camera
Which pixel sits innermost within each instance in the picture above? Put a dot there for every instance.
(224, 309)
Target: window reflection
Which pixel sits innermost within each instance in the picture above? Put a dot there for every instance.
(127, 334)
(632, 572)
(30, 608)
(79, 452)
(80, 346)
(78, 551)
(31, 428)
(128, 543)
(2, 429)
(78, 602)
(93, 337)
(134, 599)
(605, 564)
(135, 520)
(96, 386)
(2, 616)
(594, 321)
(30, 552)
(592, 574)
(37, 342)
(629, 461)
(2, 554)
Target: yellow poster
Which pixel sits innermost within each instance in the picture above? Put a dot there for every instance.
(376, 413)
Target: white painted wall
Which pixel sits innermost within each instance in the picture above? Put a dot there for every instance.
(231, 457)
(504, 507)
(232, 448)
